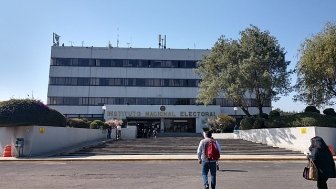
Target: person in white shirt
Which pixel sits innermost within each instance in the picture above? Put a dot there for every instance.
(207, 165)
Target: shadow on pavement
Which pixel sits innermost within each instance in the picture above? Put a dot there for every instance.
(232, 170)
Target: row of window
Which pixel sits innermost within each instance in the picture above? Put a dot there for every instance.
(86, 62)
(139, 82)
(100, 101)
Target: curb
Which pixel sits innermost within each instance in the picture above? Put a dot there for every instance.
(161, 158)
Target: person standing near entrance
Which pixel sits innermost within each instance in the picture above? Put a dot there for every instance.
(118, 132)
(207, 164)
(108, 132)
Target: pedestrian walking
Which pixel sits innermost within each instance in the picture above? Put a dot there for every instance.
(323, 160)
(109, 130)
(208, 153)
(155, 133)
(118, 132)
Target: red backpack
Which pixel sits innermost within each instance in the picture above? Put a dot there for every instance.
(212, 152)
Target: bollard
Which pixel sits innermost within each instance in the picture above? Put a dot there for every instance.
(7, 151)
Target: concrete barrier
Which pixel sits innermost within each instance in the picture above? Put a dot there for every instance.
(295, 138)
(39, 140)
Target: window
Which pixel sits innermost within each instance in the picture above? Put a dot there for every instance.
(84, 81)
(123, 63)
(83, 62)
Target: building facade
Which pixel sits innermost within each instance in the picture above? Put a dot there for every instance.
(147, 87)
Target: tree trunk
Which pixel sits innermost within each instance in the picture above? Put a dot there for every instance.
(260, 109)
(245, 111)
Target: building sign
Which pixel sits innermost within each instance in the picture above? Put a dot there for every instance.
(303, 130)
(158, 114)
(42, 130)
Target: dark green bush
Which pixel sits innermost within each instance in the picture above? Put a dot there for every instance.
(258, 123)
(247, 123)
(78, 123)
(274, 113)
(29, 112)
(329, 111)
(96, 124)
(276, 122)
(262, 115)
(311, 109)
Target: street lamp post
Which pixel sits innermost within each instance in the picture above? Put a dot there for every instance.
(235, 129)
(104, 109)
(235, 110)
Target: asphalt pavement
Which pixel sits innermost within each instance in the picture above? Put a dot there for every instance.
(152, 175)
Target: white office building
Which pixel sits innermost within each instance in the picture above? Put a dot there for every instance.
(145, 86)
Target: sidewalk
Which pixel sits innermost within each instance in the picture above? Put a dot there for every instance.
(158, 158)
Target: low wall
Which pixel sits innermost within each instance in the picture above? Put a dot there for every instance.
(296, 138)
(39, 140)
(126, 133)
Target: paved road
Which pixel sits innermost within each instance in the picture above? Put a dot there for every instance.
(152, 175)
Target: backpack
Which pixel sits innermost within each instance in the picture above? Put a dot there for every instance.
(211, 151)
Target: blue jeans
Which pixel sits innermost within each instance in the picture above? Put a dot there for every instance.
(206, 166)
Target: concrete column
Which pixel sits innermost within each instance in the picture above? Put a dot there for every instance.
(162, 125)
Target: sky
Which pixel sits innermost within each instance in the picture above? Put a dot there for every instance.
(26, 31)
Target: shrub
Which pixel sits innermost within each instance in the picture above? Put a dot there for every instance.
(96, 124)
(78, 123)
(29, 112)
(247, 123)
(329, 111)
(276, 122)
(225, 123)
(258, 123)
(311, 109)
(262, 115)
(274, 113)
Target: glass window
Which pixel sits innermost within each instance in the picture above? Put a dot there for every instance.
(83, 62)
(116, 63)
(190, 64)
(94, 81)
(83, 81)
(74, 62)
(103, 81)
(63, 61)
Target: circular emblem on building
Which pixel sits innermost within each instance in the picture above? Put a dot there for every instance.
(163, 108)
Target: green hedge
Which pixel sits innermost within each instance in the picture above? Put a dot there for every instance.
(78, 123)
(311, 109)
(96, 124)
(302, 120)
(24, 112)
(329, 111)
(247, 123)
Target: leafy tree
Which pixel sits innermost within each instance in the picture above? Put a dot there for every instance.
(220, 74)
(221, 122)
(253, 66)
(316, 68)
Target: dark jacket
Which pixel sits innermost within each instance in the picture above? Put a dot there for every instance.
(324, 162)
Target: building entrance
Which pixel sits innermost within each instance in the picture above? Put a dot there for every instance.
(180, 125)
(145, 127)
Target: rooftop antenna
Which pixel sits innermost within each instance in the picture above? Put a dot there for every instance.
(56, 39)
(109, 44)
(165, 41)
(71, 43)
(159, 41)
(117, 37)
(82, 43)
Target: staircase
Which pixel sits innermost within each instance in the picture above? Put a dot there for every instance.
(178, 145)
